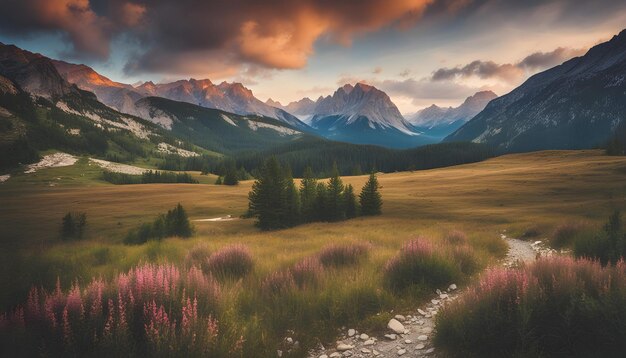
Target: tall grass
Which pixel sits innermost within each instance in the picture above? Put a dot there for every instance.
(234, 261)
(421, 264)
(151, 310)
(342, 255)
(555, 307)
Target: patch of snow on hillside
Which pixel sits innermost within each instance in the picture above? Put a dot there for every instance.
(129, 124)
(228, 120)
(52, 161)
(4, 178)
(170, 149)
(283, 131)
(117, 167)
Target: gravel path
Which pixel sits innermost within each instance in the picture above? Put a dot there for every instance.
(411, 335)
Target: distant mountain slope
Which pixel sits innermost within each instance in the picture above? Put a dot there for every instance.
(440, 122)
(42, 111)
(229, 97)
(214, 129)
(361, 114)
(578, 104)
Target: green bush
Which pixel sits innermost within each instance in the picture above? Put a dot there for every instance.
(342, 255)
(421, 265)
(607, 246)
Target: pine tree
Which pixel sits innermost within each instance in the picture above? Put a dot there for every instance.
(231, 176)
(68, 227)
(335, 200)
(292, 201)
(177, 222)
(350, 202)
(321, 214)
(308, 195)
(370, 199)
(267, 198)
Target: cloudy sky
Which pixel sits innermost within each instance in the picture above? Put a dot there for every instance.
(419, 51)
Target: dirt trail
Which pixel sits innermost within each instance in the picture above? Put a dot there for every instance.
(223, 218)
(413, 333)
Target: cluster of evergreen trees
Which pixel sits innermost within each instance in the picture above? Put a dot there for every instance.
(174, 223)
(277, 203)
(73, 226)
(230, 175)
(148, 177)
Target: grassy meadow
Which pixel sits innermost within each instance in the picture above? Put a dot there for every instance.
(516, 193)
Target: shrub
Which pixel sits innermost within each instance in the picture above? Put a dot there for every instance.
(607, 246)
(278, 283)
(234, 261)
(73, 225)
(420, 264)
(307, 272)
(342, 255)
(456, 237)
(564, 234)
(465, 259)
(556, 307)
(198, 256)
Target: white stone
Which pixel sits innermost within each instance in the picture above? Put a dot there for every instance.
(375, 352)
(419, 346)
(289, 340)
(408, 341)
(434, 302)
(365, 350)
(364, 337)
(401, 352)
(422, 338)
(323, 356)
(279, 353)
(443, 296)
(400, 318)
(430, 350)
(344, 347)
(452, 287)
(335, 355)
(369, 342)
(420, 311)
(395, 326)
(391, 336)
(351, 332)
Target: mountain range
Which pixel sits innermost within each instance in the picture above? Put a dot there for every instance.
(358, 114)
(440, 122)
(578, 104)
(229, 97)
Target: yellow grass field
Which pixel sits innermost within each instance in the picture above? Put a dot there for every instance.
(514, 193)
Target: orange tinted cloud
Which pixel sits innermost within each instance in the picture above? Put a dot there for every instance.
(88, 32)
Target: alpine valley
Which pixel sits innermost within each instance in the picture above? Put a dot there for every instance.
(312, 178)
